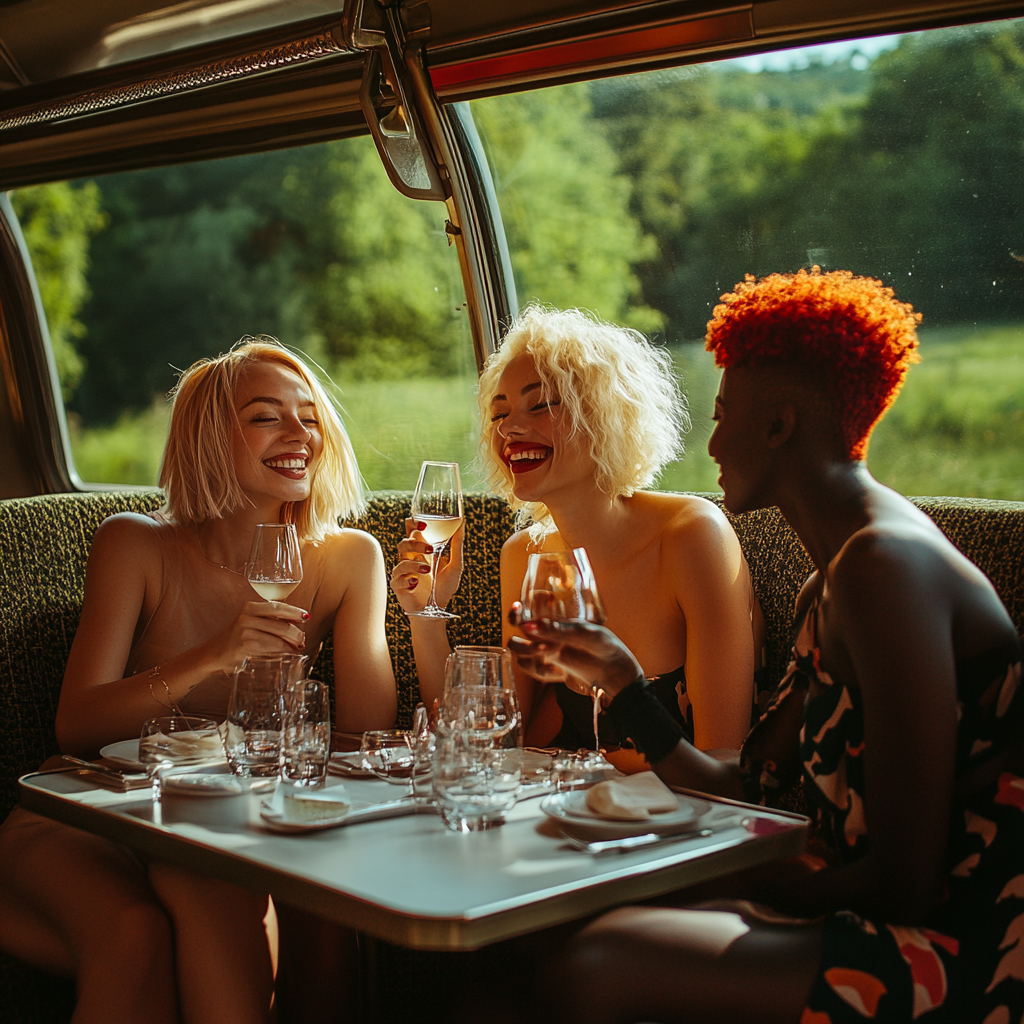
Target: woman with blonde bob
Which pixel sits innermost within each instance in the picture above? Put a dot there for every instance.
(168, 615)
(578, 417)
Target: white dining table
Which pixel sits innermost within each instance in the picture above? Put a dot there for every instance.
(409, 880)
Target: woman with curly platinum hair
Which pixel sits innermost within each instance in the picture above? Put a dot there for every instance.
(577, 418)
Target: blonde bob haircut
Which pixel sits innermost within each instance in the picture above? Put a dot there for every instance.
(619, 392)
(198, 468)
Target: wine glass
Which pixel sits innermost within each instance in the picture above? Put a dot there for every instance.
(437, 502)
(274, 566)
(388, 754)
(175, 741)
(560, 585)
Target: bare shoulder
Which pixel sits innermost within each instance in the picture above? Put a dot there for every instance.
(893, 559)
(690, 526)
(351, 546)
(515, 551)
(128, 536)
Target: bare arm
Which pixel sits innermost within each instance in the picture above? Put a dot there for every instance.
(97, 705)
(364, 681)
(714, 593)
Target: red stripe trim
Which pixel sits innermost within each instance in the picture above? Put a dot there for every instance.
(646, 42)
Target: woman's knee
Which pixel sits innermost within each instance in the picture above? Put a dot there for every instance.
(185, 892)
(140, 930)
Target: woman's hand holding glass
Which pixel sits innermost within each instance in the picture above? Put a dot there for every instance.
(580, 652)
(410, 578)
(559, 587)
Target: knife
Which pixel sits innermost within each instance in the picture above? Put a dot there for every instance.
(606, 846)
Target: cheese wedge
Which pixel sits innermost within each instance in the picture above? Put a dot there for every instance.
(634, 798)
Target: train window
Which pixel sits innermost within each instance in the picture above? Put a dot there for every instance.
(146, 271)
(645, 197)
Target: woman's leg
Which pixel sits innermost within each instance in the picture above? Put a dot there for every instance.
(80, 906)
(224, 958)
(722, 965)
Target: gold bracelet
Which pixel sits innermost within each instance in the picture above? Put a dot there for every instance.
(154, 674)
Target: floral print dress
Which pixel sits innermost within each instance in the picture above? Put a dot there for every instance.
(966, 964)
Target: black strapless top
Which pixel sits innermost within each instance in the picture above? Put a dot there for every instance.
(578, 713)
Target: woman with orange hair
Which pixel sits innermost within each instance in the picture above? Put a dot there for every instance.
(900, 717)
(168, 615)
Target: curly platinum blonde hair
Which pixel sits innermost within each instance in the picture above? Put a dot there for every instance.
(619, 391)
(198, 468)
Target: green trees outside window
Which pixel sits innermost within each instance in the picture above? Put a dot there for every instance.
(642, 198)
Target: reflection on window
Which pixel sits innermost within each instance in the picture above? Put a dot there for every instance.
(145, 272)
(646, 197)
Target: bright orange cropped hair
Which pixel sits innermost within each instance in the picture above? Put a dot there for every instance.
(853, 330)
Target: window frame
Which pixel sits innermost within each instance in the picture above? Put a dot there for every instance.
(456, 54)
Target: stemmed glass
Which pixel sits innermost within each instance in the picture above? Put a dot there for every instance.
(560, 585)
(437, 502)
(274, 566)
(176, 741)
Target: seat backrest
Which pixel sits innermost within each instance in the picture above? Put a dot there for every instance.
(44, 545)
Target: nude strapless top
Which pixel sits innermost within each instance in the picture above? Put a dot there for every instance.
(198, 598)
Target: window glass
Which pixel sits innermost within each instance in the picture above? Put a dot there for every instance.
(645, 197)
(142, 273)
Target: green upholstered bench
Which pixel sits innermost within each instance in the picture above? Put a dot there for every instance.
(44, 545)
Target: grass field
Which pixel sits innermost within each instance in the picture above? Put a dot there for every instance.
(957, 428)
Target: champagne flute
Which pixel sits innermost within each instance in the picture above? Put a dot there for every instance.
(274, 566)
(437, 502)
(558, 586)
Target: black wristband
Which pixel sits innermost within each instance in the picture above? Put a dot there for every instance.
(637, 713)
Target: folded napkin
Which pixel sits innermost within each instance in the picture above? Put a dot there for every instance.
(633, 798)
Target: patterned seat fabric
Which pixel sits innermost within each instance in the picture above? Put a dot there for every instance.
(44, 545)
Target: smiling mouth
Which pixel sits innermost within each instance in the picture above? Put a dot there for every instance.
(522, 458)
(292, 465)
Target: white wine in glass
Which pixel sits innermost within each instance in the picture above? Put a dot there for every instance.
(437, 502)
(274, 567)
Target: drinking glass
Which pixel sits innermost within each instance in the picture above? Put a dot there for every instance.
(288, 668)
(388, 754)
(560, 585)
(437, 502)
(305, 733)
(169, 742)
(478, 758)
(479, 666)
(423, 742)
(252, 729)
(274, 566)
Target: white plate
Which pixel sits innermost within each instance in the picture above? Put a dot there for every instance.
(277, 822)
(575, 819)
(125, 753)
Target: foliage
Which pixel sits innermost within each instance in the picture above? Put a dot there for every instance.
(642, 197)
(565, 205)
(58, 221)
(312, 245)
